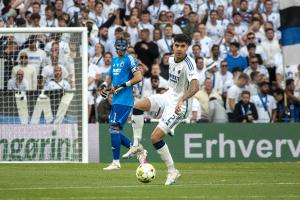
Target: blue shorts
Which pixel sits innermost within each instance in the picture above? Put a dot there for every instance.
(119, 115)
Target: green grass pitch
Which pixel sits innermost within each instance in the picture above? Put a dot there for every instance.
(198, 181)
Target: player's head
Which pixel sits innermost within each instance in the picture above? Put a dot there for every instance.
(181, 45)
(121, 46)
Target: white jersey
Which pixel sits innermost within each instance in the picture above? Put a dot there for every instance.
(180, 76)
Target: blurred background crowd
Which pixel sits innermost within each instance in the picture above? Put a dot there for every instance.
(236, 45)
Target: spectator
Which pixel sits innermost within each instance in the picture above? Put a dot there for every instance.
(216, 111)
(155, 70)
(200, 42)
(192, 25)
(145, 23)
(282, 114)
(245, 111)
(253, 84)
(164, 66)
(48, 71)
(104, 109)
(133, 29)
(184, 20)
(18, 83)
(292, 101)
(155, 10)
(250, 39)
(203, 97)
(146, 50)
(58, 8)
(35, 19)
(157, 35)
(200, 70)
(8, 58)
(170, 20)
(225, 44)
(234, 94)
(265, 104)
(177, 8)
(110, 43)
(234, 59)
(97, 59)
(253, 61)
(206, 42)
(226, 76)
(272, 48)
(58, 83)
(214, 28)
(97, 15)
(239, 28)
(28, 72)
(216, 79)
(154, 79)
(215, 54)
(222, 17)
(251, 48)
(269, 15)
(36, 56)
(103, 71)
(48, 19)
(165, 44)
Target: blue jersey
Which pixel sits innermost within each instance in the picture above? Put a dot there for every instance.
(121, 71)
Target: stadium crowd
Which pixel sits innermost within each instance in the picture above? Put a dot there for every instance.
(235, 43)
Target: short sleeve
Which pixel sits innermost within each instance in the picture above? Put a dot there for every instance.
(191, 69)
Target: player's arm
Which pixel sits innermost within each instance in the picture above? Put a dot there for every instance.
(192, 89)
(137, 74)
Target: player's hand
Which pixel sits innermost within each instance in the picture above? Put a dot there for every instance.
(104, 93)
(116, 89)
(103, 86)
(178, 107)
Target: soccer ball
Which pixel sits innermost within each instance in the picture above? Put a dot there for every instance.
(145, 173)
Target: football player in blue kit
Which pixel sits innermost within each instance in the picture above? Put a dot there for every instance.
(123, 74)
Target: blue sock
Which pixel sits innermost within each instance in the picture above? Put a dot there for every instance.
(115, 143)
(125, 141)
(159, 145)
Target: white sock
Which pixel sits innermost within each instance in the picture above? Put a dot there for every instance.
(116, 162)
(137, 127)
(166, 157)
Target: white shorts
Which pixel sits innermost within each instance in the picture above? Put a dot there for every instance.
(162, 103)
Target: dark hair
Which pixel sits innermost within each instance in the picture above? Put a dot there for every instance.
(182, 38)
(119, 30)
(198, 58)
(236, 44)
(253, 74)
(154, 77)
(279, 91)
(251, 45)
(263, 83)
(289, 81)
(243, 76)
(246, 92)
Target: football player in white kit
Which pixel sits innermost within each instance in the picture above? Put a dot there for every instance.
(175, 105)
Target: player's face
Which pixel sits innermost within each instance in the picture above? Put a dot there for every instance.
(120, 52)
(180, 49)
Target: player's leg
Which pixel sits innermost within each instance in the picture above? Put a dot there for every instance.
(166, 125)
(165, 155)
(137, 127)
(138, 119)
(117, 119)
